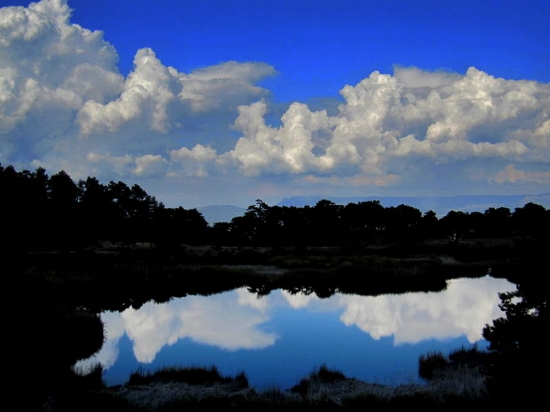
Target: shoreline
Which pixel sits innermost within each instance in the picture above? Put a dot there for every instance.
(322, 386)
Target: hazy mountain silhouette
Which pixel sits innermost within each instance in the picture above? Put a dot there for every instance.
(220, 213)
(439, 204)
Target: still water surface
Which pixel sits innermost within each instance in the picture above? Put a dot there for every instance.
(278, 339)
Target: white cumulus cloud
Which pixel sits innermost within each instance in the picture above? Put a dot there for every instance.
(441, 117)
(64, 104)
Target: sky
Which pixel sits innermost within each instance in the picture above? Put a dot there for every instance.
(225, 102)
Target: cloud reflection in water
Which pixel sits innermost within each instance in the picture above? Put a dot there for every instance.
(236, 320)
(462, 309)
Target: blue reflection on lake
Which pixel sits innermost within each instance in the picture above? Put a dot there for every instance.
(280, 338)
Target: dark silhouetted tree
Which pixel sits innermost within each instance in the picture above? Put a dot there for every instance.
(402, 223)
(63, 196)
(175, 227)
(532, 220)
(326, 227)
(497, 222)
(97, 212)
(364, 221)
(454, 225)
(519, 356)
(429, 226)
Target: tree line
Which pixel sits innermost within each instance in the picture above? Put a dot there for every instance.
(329, 224)
(42, 212)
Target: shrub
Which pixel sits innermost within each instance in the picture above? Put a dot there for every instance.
(321, 375)
(431, 363)
(326, 375)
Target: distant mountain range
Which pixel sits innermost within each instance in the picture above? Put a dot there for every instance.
(441, 205)
(220, 213)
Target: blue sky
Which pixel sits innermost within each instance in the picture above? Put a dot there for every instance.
(319, 46)
(223, 102)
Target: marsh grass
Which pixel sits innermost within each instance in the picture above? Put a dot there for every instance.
(195, 388)
(273, 395)
(189, 375)
(115, 283)
(436, 366)
(326, 375)
(459, 373)
(431, 363)
(322, 375)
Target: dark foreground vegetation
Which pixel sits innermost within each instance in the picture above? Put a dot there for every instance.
(71, 250)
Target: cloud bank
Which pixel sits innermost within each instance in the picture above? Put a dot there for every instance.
(65, 105)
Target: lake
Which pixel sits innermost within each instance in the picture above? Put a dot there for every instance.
(280, 338)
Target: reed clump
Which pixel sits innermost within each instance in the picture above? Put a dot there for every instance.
(190, 375)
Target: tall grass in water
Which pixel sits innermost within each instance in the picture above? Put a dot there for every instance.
(459, 372)
(435, 364)
(320, 376)
(431, 363)
(190, 375)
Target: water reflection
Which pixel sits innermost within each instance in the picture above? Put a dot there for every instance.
(462, 309)
(298, 329)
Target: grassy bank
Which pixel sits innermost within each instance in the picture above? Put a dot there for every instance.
(455, 383)
(116, 281)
